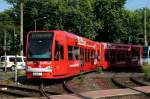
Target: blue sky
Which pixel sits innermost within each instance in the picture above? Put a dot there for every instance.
(3, 5)
(131, 4)
(136, 4)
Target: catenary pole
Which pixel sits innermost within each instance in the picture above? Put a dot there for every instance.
(5, 48)
(21, 27)
(145, 31)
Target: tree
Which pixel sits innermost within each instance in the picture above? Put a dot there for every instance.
(101, 20)
(71, 15)
(109, 12)
(7, 25)
(133, 21)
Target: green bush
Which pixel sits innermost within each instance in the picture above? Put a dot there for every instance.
(146, 70)
(21, 72)
(99, 70)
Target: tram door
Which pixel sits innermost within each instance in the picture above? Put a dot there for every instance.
(82, 59)
(59, 59)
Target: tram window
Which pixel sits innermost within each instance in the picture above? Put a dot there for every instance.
(56, 56)
(122, 56)
(61, 52)
(98, 57)
(134, 52)
(118, 56)
(127, 57)
(76, 53)
(106, 56)
(112, 57)
(81, 53)
(149, 53)
(88, 55)
(85, 55)
(70, 53)
(92, 56)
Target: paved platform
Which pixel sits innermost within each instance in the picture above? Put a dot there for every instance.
(105, 93)
(101, 94)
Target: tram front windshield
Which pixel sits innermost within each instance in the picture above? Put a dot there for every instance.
(40, 45)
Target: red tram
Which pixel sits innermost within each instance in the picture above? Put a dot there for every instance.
(58, 54)
(120, 55)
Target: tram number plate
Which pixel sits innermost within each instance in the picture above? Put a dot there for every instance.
(37, 74)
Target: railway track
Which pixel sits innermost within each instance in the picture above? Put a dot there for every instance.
(22, 91)
(42, 90)
(67, 88)
(130, 83)
(139, 81)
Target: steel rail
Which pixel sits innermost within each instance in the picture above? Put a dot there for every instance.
(43, 92)
(132, 78)
(15, 93)
(125, 86)
(73, 92)
(6, 88)
(26, 88)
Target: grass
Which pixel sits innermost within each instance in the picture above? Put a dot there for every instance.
(146, 70)
(99, 70)
(21, 73)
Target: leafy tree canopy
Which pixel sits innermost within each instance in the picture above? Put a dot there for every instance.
(100, 20)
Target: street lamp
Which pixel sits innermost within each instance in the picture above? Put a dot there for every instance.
(35, 22)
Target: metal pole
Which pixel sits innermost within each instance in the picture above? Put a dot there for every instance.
(16, 72)
(14, 39)
(35, 25)
(5, 44)
(21, 28)
(145, 32)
